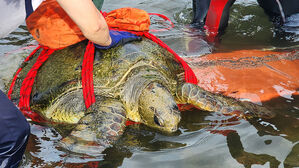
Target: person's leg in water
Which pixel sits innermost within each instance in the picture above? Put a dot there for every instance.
(212, 15)
(14, 133)
(200, 10)
(279, 8)
(285, 17)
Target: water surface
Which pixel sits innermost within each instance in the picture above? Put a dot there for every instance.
(204, 139)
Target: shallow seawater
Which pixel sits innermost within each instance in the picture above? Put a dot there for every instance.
(204, 139)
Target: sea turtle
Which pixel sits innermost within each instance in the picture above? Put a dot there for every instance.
(139, 81)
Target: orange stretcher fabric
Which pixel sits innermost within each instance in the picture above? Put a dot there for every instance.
(249, 74)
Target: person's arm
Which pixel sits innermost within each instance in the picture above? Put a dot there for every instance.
(88, 19)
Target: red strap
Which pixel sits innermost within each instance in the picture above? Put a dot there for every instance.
(87, 72)
(189, 74)
(213, 17)
(87, 75)
(26, 88)
(165, 18)
(103, 13)
(18, 71)
(129, 122)
(87, 67)
(29, 114)
(157, 14)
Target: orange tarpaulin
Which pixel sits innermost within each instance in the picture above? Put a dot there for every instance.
(249, 74)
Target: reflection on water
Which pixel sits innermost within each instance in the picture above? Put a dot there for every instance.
(13, 49)
(291, 26)
(204, 139)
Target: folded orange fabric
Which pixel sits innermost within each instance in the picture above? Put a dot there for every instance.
(50, 25)
(132, 19)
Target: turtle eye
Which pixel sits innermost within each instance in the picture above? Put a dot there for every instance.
(156, 120)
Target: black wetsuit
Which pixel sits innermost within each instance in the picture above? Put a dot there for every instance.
(14, 129)
(273, 7)
(214, 14)
(14, 133)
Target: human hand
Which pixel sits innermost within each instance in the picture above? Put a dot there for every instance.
(119, 38)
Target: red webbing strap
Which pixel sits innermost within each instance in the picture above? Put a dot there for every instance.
(26, 87)
(165, 18)
(87, 75)
(189, 74)
(213, 17)
(18, 71)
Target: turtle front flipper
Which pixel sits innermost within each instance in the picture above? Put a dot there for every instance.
(98, 129)
(192, 94)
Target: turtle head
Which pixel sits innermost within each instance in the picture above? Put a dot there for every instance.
(158, 109)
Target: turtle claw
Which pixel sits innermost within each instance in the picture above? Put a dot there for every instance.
(78, 145)
(236, 113)
(254, 110)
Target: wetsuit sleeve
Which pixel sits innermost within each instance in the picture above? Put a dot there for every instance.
(12, 15)
(14, 133)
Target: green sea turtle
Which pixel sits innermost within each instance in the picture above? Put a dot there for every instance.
(139, 81)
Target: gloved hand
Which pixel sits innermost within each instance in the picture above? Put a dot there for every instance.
(119, 38)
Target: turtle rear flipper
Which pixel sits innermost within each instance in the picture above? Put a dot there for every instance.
(98, 129)
(192, 94)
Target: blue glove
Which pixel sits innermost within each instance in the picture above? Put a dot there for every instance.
(119, 38)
